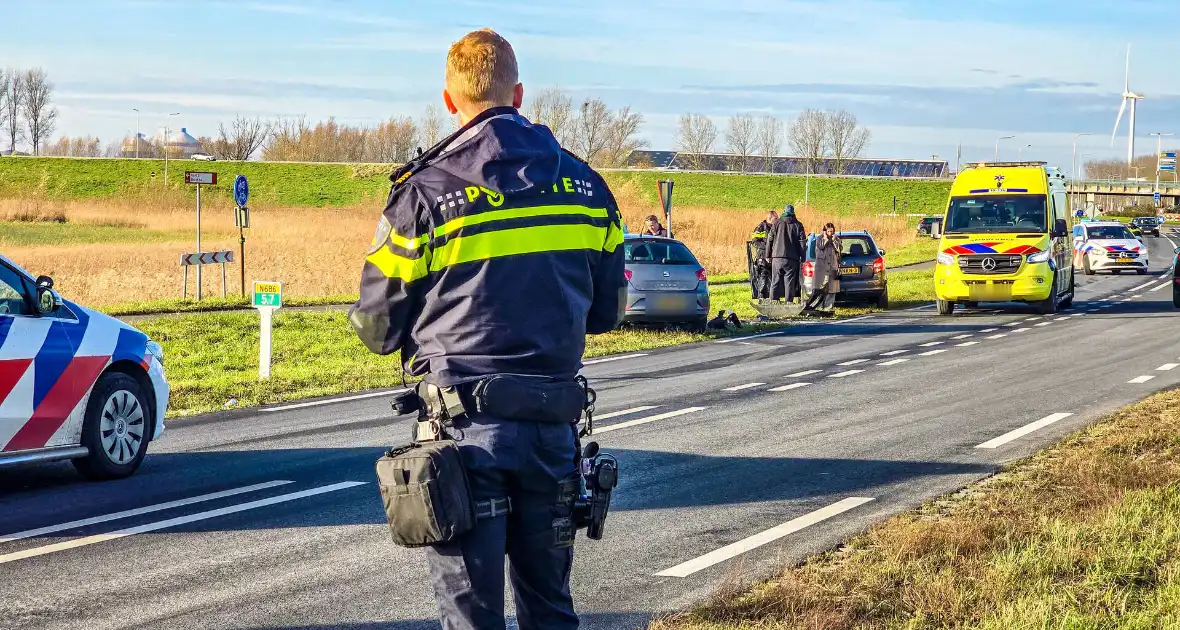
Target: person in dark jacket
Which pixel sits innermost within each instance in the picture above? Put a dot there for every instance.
(784, 246)
(654, 228)
(497, 253)
(759, 264)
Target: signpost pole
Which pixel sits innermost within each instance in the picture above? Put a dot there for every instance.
(199, 241)
(242, 218)
(242, 251)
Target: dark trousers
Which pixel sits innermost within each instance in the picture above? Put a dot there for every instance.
(784, 279)
(524, 461)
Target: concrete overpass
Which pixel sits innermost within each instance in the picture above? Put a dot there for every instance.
(1169, 191)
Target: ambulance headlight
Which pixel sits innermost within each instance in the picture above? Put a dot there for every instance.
(1039, 257)
(946, 259)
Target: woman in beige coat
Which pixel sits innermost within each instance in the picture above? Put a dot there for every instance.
(827, 269)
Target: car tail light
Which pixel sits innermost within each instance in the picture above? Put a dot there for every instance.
(627, 274)
(808, 269)
(879, 264)
(701, 275)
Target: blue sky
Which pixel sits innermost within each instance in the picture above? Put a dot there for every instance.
(923, 75)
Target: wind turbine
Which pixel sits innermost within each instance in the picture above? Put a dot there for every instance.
(1128, 95)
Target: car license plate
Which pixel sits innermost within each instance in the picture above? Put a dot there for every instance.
(848, 271)
(668, 302)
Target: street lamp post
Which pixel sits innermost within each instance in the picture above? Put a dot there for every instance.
(1073, 163)
(1159, 138)
(997, 157)
(1020, 152)
(136, 109)
(166, 146)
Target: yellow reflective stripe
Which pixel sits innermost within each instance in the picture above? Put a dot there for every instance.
(405, 269)
(514, 213)
(515, 241)
(408, 243)
(614, 237)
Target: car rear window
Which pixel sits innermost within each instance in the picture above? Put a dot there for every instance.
(849, 246)
(658, 252)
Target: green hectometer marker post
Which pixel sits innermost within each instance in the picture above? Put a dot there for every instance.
(268, 297)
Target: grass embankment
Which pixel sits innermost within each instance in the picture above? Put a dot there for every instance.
(1082, 535)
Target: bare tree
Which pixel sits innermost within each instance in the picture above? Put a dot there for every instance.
(846, 139)
(40, 117)
(807, 137)
(695, 137)
(741, 138)
(393, 141)
(623, 138)
(12, 100)
(592, 130)
(770, 140)
(243, 138)
(114, 148)
(553, 108)
(431, 127)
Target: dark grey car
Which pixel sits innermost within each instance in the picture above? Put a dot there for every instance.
(862, 269)
(665, 283)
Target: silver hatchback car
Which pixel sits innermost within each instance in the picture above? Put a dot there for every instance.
(665, 283)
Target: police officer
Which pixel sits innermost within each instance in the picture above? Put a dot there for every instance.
(497, 253)
(784, 245)
(759, 264)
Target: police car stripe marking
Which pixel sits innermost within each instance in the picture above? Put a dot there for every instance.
(173, 522)
(1024, 430)
(158, 507)
(686, 569)
(59, 402)
(24, 338)
(637, 422)
(1140, 379)
(11, 372)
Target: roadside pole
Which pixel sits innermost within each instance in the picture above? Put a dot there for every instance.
(268, 298)
(197, 178)
(242, 221)
(665, 189)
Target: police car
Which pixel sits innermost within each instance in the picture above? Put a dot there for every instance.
(74, 384)
(1108, 246)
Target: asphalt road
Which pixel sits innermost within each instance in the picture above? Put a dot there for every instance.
(737, 455)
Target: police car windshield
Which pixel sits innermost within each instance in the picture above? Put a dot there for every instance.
(1110, 232)
(658, 252)
(997, 213)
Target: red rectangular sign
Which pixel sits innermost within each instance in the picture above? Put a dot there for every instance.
(199, 177)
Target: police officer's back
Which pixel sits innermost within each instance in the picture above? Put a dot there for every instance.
(497, 253)
(784, 245)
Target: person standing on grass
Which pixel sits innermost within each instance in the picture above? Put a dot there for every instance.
(784, 246)
(827, 270)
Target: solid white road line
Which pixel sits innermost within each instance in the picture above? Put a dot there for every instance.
(852, 362)
(1024, 430)
(614, 358)
(173, 522)
(147, 509)
(787, 388)
(1140, 379)
(967, 343)
(854, 319)
(616, 414)
(637, 422)
(988, 330)
(846, 373)
(960, 337)
(757, 540)
(892, 362)
(758, 336)
(803, 373)
(316, 403)
(738, 388)
(931, 353)
(932, 343)
(998, 336)
(893, 353)
(1142, 286)
(918, 308)
(1162, 286)
(1163, 368)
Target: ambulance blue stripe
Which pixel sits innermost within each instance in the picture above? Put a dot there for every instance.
(61, 344)
(131, 345)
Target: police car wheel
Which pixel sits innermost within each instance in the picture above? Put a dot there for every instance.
(116, 428)
(1086, 265)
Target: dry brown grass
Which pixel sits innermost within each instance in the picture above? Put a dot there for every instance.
(1083, 535)
(313, 251)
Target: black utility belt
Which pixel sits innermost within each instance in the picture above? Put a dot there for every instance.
(508, 397)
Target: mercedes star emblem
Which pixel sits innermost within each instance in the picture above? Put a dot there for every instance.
(989, 264)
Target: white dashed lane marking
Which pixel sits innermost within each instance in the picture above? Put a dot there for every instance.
(787, 388)
(1162, 286)
(988, 330)
(892, 362)
(1167, 366)
(931, 353)
(852, 362)
(1140, 379)
(844, 374)
(738, 388)
(932, 343)
(637, 422)
(967, 343)
(616, 414)
(803, 373)
(1142, 286)
(996, 336)
(1024, 430)
(957, 337)
(892, 353)
(686, 569)
(1043, 324)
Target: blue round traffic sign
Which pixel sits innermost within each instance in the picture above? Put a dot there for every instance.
(241, 190)
(1080, 213)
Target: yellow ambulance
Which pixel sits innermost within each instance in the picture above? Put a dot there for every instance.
(1005, 238)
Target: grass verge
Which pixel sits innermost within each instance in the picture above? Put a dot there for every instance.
(1085, 534)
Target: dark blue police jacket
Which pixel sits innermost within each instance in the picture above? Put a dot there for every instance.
(497, 253)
